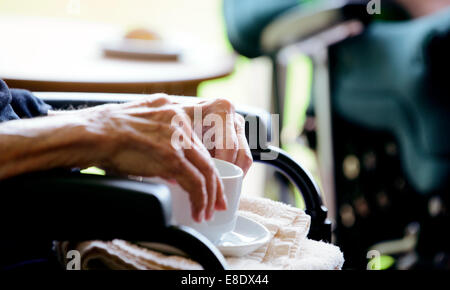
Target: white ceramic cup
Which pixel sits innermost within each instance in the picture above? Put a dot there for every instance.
(223, 221)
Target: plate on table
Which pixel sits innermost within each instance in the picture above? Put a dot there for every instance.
(142, 49)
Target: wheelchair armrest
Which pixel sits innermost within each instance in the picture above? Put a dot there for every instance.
(68, 205)
(320, 225)
(61, 205)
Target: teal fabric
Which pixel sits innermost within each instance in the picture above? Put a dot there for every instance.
(395, 77)
(246, 19)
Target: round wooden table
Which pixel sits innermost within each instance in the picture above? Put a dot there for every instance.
(66, 55)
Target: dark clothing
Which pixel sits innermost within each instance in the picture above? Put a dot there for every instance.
(17, 104)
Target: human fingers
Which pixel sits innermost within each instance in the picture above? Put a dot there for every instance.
(197, 154)
(193, 182)
(225, 139)
(244, 157)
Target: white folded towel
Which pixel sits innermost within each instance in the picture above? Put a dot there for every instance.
(288, 248)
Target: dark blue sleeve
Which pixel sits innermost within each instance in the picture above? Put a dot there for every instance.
(16, 104)
(6, 111)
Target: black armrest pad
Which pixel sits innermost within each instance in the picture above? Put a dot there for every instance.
(71, 206)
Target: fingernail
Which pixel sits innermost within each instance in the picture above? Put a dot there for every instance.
(196, 216)
(224, 203)
(201, 216)
(210, 214)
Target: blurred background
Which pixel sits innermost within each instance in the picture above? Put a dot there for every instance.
(360, 89)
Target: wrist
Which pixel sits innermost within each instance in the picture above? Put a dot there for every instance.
(44, 143)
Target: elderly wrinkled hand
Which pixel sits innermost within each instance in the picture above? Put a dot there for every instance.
(157, 136)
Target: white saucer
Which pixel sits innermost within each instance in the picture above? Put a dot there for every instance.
(247, 236)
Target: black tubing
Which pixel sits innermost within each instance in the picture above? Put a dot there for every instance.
(195, 245)
(276, 157)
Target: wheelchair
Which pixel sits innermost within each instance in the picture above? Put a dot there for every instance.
(378, 117)
(60, 205)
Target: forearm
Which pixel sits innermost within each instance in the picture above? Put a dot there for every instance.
(44, 143)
